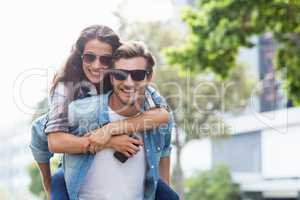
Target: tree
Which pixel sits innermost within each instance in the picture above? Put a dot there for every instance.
(156, 34)
(197, 101)
(36, 186)
(215, 184)
(219, 28)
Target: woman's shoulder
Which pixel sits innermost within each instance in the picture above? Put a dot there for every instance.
(70, 91)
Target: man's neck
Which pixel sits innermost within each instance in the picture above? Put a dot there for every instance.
(125, 110)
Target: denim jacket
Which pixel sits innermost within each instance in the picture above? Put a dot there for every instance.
(91, 113)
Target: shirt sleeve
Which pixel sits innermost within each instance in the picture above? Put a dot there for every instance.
(39, 142)
(155, 100)
(58, 109)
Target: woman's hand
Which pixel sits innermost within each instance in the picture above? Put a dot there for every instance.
(125, 144)
(98, 139)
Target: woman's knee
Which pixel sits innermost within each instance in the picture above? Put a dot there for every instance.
(164, 192)
(58, 186)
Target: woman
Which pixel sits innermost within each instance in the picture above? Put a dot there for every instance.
(84, 75)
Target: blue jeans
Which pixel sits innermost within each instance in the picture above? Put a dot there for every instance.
(59, 190)
(58, 186)
(165, 192)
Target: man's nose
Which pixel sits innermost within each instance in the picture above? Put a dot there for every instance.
(129, 81)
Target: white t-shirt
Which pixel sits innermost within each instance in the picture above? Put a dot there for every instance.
(109, 179)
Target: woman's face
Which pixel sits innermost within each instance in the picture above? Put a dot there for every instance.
(94, 59)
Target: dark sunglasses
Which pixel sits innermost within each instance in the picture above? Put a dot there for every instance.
(89, 58)
(136, 75)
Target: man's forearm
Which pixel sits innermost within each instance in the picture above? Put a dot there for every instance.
(164, 169)
(45, 172)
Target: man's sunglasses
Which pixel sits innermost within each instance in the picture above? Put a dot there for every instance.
(89, 58)
(136, 75)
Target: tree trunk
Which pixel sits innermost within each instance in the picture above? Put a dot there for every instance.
(178, 173)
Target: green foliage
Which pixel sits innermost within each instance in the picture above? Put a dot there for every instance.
(215, 184)
(156, 34)
(35, 186)
(219, 28)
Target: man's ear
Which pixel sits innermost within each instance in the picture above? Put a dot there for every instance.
(111, 79)
(150, 77)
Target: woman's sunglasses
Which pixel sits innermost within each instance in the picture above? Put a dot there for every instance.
(89, 58)
(136, 75)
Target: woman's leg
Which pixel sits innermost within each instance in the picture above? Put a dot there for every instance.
(58, 186)
(165, 192)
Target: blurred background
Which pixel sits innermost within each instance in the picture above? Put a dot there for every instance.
(229, 69)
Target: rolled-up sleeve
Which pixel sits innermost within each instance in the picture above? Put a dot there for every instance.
(58, 109)
(155, 100)
(39, 144)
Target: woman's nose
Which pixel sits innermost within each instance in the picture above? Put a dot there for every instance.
(98, 65)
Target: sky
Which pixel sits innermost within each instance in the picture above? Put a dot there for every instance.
(36, 37)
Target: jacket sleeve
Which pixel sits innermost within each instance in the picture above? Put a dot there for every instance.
(167, 132)
(154, 99)
(39, 142)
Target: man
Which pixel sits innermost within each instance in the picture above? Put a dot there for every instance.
(103, 176)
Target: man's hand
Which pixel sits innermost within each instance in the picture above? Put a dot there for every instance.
(125, 144)
(46, 177)
(98, 139)
(164, 169)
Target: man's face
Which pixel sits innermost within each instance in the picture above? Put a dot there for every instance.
(132, 88)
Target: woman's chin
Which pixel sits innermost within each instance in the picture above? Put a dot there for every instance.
(94, 80)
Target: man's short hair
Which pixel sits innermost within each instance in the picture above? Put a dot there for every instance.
(134, 49)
